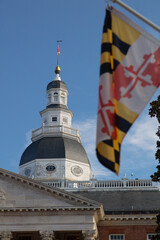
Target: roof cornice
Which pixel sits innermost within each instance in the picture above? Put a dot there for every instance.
(59, 192)
(45, 209)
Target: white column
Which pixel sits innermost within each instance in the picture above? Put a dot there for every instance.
(5, 235)
(90, 235)
(47, 235)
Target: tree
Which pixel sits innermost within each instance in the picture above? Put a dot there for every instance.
(154, 111)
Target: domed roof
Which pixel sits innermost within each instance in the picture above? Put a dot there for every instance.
(54, 147)
(57, 84)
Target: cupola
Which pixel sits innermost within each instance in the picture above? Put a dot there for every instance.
(56, 151)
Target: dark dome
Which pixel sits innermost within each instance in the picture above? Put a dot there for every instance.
(56, 84)
(54, 147)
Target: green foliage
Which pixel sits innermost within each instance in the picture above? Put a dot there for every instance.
(154, 111)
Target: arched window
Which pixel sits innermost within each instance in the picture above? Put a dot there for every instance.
(49, 98)
(55, 97)
(63, 98)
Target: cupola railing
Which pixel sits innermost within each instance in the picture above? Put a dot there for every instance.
(55, 131)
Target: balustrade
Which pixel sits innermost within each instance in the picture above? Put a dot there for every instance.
(55, 129)
(105, 185)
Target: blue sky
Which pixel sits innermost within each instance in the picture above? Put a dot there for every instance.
(29, 30)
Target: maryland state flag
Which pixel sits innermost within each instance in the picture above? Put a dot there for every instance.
(129, 76)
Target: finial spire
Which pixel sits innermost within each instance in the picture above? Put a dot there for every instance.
(58, 70)
(58, 52)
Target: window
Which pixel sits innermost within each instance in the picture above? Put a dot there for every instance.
(24, 238)
(54, 119)
(27, 172)
(63, 98)
(73, 237)
(45, 121)
(55, 96)
(50, 168)
(49, 96)
(150, 235)
(116, 237)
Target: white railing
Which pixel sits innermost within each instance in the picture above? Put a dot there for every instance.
(104, 185)
(55, 129)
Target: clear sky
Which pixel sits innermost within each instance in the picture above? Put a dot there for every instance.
(29, 30)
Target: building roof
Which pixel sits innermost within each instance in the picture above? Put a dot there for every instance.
(54, 147)
(56, 84)
(119, 202)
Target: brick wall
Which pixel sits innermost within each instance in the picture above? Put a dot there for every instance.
(131, 232)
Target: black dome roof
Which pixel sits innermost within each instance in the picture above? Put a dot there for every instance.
(56, 84)
(54, 147)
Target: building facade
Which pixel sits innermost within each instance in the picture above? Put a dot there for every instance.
(54, 195)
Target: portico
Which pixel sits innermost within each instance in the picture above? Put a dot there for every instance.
(30, 210)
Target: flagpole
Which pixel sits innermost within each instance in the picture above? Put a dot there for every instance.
(131, 10)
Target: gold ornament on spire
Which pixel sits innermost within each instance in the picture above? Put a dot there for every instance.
(57, 70)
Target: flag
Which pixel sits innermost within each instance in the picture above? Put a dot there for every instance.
(58, 52)
(129, 76)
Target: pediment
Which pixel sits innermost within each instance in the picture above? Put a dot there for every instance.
(17, 191)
